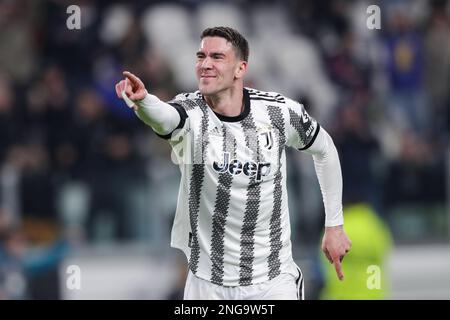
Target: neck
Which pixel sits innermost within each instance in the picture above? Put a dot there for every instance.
(229, 103)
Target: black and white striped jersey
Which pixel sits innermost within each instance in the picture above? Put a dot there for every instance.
(232, 217)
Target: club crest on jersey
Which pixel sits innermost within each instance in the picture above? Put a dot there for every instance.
(267, 140)
(236, 167)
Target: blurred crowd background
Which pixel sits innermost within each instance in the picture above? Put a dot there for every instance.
(82, 179)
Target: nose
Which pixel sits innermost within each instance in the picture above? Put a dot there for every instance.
(206, 63)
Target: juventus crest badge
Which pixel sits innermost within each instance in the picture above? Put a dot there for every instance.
(267, 139)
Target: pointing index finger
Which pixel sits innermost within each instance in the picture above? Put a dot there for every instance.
(338, 267)
(133, 79)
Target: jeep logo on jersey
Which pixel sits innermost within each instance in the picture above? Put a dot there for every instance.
(235, 167)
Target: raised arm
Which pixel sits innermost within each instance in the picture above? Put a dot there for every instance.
(161, 116)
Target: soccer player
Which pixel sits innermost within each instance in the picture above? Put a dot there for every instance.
(232, 218)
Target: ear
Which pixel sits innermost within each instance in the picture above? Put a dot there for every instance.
(241, 69)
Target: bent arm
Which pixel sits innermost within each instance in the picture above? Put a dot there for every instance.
(328, 171)
(161, 116)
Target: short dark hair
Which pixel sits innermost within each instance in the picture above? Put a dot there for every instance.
(238, 41)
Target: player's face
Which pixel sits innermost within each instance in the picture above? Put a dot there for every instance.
(217, 65)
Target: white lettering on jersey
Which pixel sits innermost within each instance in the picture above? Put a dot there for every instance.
(235, 167)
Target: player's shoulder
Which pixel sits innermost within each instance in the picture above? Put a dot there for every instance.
(189, 100)
(269, 98)
(188, 95)
(183, 96)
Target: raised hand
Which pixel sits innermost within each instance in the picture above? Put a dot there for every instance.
(133, 87)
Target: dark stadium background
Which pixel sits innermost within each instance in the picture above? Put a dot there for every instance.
(83, 182)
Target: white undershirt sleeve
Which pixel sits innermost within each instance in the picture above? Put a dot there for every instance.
(161, 116)
(328, 171)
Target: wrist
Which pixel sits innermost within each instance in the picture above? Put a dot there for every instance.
(332, 228)
(334, 220)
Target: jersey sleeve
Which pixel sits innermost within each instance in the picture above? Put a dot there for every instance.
(178, 103)
(301, 128)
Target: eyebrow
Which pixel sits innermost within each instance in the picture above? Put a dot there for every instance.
(211, 54)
